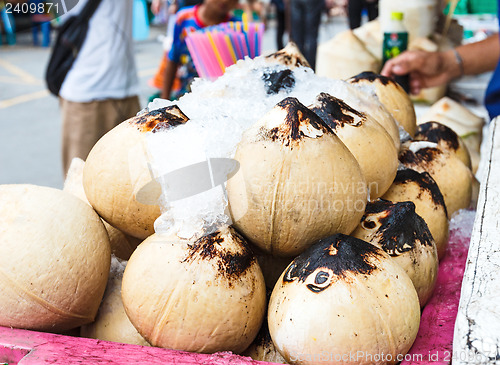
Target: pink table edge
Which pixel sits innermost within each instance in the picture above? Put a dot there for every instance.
(30, 347)
(434, 342)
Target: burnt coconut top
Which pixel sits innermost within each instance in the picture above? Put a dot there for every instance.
(298, 122)
(425, 181)
(231, 265)
(437, 132)
(289, 56)
(371, 77)
(423, 155)
(336, 113)
(399, 227)
(331, 259)
(159, 119)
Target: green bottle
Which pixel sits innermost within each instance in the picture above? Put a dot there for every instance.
(395, 42)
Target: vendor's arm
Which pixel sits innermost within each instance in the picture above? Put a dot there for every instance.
(168, 80)
(429, 69)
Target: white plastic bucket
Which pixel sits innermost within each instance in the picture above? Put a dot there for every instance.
(420, 16)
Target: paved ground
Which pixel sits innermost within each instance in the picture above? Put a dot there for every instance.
(29, 115)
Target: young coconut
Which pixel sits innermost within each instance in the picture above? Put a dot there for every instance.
(289, 56)
(117, 169)
(112, 323)
(392, 96)
(343, 296)
(54, 259)
(421, 189)
(203, 295)
(365, 138)
(297, 182)
(360, 99)
(343, 56)
(403, 235)
(452, 176)
(445, 138)
(122, 245)
(465, 123)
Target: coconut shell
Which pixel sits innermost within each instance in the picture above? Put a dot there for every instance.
(454, 115)
(361, 99)
(392, 96)
(461, 120)
(343, 56)
(54, 259)
(365, 138)
(452, 176)
(203, 295)
(117, 168)
(122, 245)
(347, 297)
(297, 182)
(445, 138)
(372, 37)
(422, 190)
(289, 56)
(403, 235)
(112, 323)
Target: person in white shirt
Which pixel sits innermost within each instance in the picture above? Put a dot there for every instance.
(101, 89)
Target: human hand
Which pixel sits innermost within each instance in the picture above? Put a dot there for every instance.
(426, 69)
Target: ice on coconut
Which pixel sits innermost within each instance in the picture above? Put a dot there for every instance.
(416, 146)
(219, 112)
(193, 199)
(158, 103)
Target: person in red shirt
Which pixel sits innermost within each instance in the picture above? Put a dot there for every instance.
(180, 70)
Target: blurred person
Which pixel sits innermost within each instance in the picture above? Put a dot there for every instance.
(171, 7)
(257, 9)
(40, 21)
(336, 8)
(7, 25)
(185, 3)
(428, 69)
(101, 89)
(180, 70)
(305, 18)
(279, 6)
(355, 10)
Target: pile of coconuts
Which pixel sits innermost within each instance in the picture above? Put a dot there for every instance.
(323, 193)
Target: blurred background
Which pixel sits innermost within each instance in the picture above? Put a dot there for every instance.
(30, 122)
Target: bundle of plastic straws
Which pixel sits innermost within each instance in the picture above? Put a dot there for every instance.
(220, 46)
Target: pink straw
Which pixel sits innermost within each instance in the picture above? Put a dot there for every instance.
(208, 55)
(202, 72)
(223, 49)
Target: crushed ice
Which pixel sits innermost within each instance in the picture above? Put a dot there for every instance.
(220, 111)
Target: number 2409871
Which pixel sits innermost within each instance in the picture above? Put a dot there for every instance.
(32, 8)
